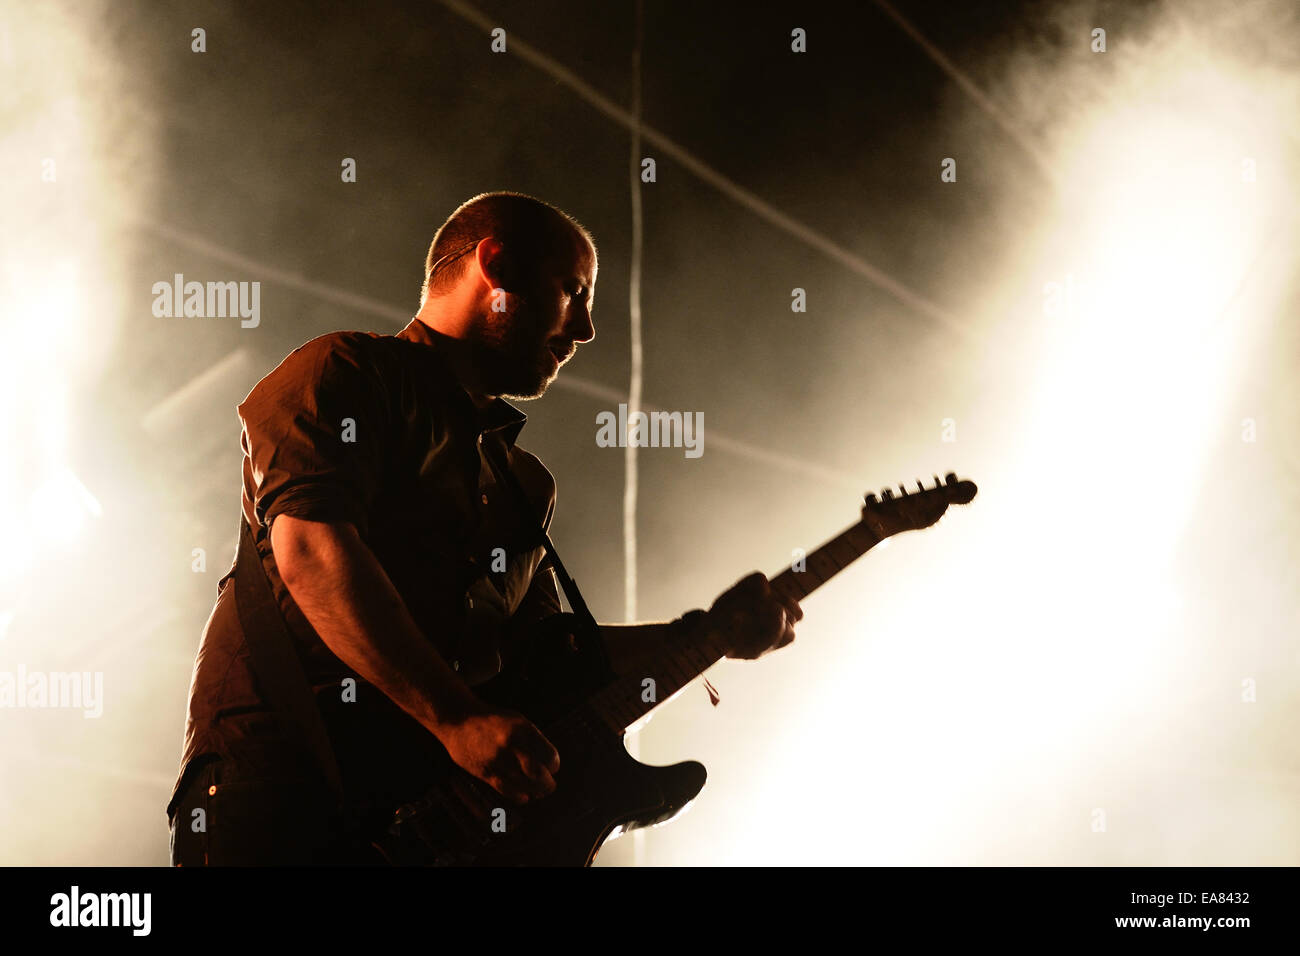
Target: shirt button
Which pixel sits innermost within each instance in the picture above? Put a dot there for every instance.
(455, 665)
(485, 499)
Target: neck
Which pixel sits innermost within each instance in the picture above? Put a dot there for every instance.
(457, 350)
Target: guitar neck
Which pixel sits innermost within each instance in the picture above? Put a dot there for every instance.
(804, 577)
(630, 697)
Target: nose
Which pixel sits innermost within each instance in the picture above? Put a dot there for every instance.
(580, 328)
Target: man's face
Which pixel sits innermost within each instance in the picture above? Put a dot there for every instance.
(546, 318)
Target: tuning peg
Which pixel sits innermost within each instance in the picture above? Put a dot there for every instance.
(920, 485)
(937, 482)
(886, 494)
(950, 478)
(871, 500)
(902, 489)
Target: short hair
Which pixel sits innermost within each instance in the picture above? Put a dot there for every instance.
(528, 228)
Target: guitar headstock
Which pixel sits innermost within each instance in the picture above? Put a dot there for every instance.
(893, 512)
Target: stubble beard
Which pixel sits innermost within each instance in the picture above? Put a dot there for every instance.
(512, 356)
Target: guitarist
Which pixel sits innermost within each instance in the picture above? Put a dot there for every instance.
(401, 568)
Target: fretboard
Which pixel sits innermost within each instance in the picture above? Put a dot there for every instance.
(630, 697)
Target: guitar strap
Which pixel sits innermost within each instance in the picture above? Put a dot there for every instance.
(588, 639)
(275, 660)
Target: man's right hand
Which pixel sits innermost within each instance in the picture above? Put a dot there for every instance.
(346, 595)
(504, 750)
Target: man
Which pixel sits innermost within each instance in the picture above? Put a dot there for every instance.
(403, 568)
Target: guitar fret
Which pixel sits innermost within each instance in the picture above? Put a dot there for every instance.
(673, 663)
(785, 585)
(792, 584)
(699, 662)
(825, 562)
(685, 665)
(663, 673)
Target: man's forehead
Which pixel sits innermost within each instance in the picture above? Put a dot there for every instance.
(580, 259)
(585, 258)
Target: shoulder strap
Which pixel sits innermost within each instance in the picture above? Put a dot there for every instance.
(274, 658)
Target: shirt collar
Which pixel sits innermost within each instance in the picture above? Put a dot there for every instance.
(499, 416)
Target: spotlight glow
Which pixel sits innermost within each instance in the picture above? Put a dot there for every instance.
(1068, 564)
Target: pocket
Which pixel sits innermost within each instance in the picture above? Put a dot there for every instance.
(269, 822)
(191, 821)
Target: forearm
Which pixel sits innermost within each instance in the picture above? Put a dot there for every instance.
(349, 600)
(629, 645)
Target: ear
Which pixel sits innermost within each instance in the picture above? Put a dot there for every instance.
(489, 258)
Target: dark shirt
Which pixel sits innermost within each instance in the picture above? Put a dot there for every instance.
(375, 430)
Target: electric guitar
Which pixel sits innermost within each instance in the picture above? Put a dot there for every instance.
(584, 710)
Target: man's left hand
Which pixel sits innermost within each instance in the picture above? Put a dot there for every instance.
(752, 619)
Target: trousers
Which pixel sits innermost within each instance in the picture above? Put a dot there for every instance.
(228, 815)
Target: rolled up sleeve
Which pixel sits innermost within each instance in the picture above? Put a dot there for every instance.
(314, 433)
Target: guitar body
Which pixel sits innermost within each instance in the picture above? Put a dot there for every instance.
(600, 789)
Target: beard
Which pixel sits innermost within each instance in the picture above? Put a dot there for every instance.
(511, 353)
